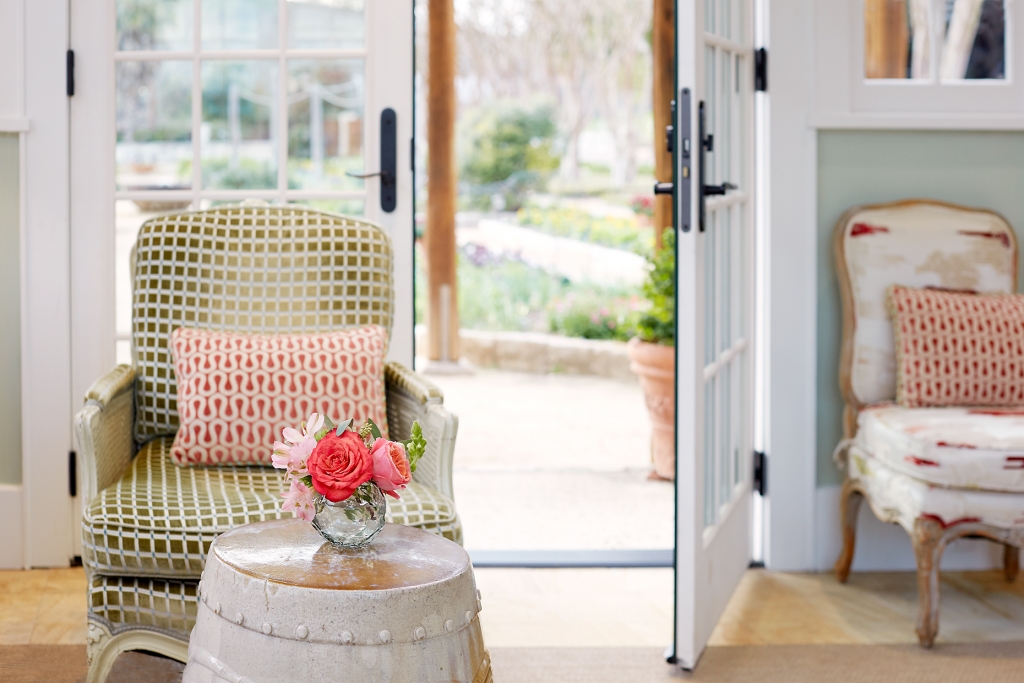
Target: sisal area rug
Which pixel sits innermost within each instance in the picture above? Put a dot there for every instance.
(962, 663)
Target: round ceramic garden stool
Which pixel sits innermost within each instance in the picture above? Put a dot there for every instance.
(278, 604)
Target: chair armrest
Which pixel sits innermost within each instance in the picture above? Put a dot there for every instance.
(104, 430)
(412, 398)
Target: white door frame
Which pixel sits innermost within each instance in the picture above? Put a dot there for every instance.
(791, 297)
(46, 508)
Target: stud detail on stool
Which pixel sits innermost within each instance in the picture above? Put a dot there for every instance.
(267, 628)
(216, 608)
(301, 632)
(420, 633)
(385, 636)
(346, 637)
(469, 616)
(449, 625)
(239, 618)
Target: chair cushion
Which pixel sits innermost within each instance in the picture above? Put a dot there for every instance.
(159, 520)
(899, 498)
(957, 348)
(951, 447)
(237, 392)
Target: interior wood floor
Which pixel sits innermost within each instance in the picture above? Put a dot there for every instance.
(629, 608)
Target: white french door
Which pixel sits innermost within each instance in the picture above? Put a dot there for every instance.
(715, 331)
(190, 103)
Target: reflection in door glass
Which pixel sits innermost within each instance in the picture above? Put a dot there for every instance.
(319, 24)
(900, 43)
(238, 134)
(154, 125)
(239, 24)
(154, 24)
(325, 123)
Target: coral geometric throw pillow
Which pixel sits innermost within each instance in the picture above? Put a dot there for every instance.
(236, 392)
(957, 348)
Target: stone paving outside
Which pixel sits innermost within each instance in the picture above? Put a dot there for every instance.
(555, 462)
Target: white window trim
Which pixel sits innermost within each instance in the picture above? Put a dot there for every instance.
(843, 98)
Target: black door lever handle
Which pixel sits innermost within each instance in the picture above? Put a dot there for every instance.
(719, 189)
(385, 176)
(664, 188)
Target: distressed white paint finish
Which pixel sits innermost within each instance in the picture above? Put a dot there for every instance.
(262, 626)
(885, 547)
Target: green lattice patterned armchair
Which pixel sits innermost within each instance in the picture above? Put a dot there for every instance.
(147, 523)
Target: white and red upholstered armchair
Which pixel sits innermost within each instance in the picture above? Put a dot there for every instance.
(954, 469)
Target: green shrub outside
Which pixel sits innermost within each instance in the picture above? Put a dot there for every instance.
(658, 324)
(510, 155)
(501, 294)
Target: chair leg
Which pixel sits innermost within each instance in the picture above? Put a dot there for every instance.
(849, 504)
(1011, 562)
(102, 648)
(928, 546)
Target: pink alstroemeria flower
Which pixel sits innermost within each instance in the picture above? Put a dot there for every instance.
(292, 454)
(313, 424)
(299, 500)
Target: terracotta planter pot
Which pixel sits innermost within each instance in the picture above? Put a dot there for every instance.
(655, 365)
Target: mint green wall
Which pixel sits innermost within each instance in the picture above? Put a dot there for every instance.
(864, 167)
(10, 327)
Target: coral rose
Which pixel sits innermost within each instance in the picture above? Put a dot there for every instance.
(390, 466)
(339, 465)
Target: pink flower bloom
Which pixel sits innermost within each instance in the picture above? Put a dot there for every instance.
(293, 457)
(313, 424)
(390, 466)
(298, 499)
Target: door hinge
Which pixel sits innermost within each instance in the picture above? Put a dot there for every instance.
(761, 69)
(70, 73)
(72, 474)
(760, 472)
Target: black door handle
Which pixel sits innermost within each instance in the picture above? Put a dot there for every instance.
(388, 161)
(664, 188)
(719, 189)
(384, 175)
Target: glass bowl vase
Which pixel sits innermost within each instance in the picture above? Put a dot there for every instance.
(353, 522)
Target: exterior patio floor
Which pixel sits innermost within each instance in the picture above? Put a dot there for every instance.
(555, 462)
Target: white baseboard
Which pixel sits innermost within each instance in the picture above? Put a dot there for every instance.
(886, 547)
(10, 527)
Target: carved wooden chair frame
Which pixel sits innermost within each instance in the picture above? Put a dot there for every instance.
(928, 536)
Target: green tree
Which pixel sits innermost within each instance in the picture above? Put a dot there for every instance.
(512, 153)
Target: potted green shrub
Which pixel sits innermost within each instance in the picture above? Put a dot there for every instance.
(652, 356)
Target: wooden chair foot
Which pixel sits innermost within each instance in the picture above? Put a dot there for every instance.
(928, 547)
(849, 504)
(1011, 562)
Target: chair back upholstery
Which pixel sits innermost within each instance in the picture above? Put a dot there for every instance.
(251, 268)
(915, 243)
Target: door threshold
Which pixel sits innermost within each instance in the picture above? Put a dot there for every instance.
(534, 559)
